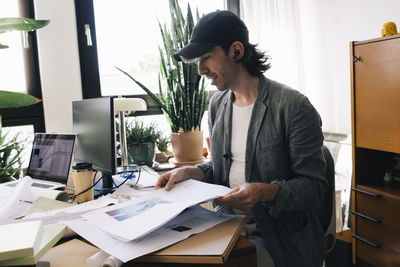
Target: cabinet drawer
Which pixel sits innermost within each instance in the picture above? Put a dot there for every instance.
(379, 257)
(383, 233)
(384, 207)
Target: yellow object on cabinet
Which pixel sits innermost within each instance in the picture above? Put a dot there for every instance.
(389, 28)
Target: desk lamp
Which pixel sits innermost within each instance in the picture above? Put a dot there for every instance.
(125, 106)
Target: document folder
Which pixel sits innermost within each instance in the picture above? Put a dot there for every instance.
(212, 246)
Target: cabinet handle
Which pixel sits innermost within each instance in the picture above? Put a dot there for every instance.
(366, 241)
(366, 192)
(356, 59)
(369, 218)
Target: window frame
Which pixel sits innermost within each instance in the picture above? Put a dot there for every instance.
(89, 59)
(33, 114)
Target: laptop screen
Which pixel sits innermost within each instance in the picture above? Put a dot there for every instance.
(51, 157)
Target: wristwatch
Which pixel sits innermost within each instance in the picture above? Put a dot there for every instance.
(279, 182)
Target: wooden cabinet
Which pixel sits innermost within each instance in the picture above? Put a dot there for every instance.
(375, 80)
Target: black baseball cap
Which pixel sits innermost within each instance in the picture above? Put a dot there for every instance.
(215, 28)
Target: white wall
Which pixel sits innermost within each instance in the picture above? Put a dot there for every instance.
(59, 63)
(328, 27)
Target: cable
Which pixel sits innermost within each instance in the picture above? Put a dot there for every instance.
(151, 173)
(138, 178)
(126, 179)
(112, 188)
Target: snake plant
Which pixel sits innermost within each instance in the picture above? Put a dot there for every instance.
(182, 95)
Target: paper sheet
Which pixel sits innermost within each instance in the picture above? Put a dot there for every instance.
(155, 208)
(16, 201)
(72, 212)
(193, 220)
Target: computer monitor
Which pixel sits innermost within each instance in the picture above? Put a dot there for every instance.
(94, 126)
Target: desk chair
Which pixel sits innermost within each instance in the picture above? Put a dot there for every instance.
(326, 208)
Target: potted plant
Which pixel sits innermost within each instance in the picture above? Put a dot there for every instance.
(141, 142)
(10, 156)
(11, 148)
(182, 96)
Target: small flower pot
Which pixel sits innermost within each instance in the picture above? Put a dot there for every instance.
(142, 154)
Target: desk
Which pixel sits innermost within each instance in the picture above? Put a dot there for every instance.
(243, 254)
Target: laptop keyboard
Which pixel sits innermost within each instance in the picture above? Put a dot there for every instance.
(41, 185)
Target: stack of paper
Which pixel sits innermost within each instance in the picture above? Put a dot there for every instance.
(19, 239)
(130, 229)
(151, 222)
(24, 243)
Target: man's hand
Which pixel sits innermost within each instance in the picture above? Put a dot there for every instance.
(246, 196)
(170, 178)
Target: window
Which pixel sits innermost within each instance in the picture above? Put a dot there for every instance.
(11, 58)
(20, 69)
(127, 38)
(20, 73)
(130, 38)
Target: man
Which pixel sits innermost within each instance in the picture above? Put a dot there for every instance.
(266, 142)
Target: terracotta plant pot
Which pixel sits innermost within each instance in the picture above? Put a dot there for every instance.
(187, 147)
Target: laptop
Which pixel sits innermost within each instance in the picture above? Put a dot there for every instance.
(50, 161)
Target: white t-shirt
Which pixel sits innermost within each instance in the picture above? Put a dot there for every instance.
(240, 125)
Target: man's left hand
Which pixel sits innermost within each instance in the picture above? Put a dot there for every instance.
(246, 196)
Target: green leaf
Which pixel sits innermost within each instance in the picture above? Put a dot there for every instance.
(10, 155)
(181, 94)
(153, 96)
(14, 99)
(21, 24)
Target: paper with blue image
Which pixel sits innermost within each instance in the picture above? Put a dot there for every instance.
(192, 221)
(136, 218)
